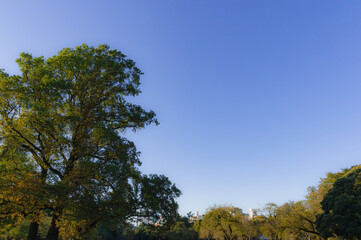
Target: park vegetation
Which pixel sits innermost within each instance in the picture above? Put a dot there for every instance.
(65, 164)
(68, 172)
(329, 211)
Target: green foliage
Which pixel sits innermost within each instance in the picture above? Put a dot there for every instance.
(19, 230)
(197, 225)
(62, 151)
(222, 223)
(297, 220)
(180, 231)
(269, 222)
(293, 220)
(156, 198)
(341, 205)
(148, 232)
(10, 230)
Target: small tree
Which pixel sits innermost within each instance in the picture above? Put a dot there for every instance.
(222, 223)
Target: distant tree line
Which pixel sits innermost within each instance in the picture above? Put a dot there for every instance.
(330, 211)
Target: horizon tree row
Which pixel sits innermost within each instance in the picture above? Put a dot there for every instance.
(330, 211)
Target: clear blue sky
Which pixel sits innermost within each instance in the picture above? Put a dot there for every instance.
(257, 99)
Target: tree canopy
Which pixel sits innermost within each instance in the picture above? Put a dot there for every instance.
(341, 205)
(225, 223)
(62, 149)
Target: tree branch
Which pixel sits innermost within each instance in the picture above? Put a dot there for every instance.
(43, 159)
(26, 140)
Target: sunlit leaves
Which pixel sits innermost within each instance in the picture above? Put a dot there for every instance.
(61, 148)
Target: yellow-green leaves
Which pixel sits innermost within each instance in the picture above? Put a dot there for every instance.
(60, 126)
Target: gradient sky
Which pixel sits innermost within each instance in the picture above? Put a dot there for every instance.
(256, 100)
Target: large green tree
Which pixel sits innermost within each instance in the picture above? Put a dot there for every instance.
(62, 152)
(341, 205)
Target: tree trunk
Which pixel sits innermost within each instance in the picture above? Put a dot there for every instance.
(33, 231)
(34, 226)
(53, 232)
